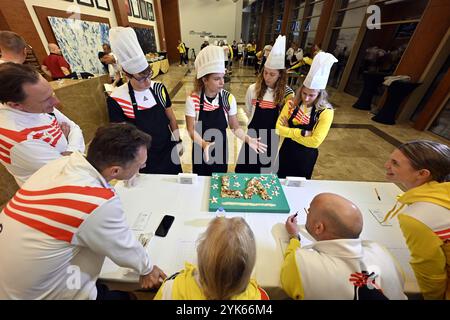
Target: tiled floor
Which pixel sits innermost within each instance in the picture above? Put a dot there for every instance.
(355, 149)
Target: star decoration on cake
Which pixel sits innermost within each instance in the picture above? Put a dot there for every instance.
(275, 193)
(213, 200)
(237, 184)
(263, 178)
(246, 178)
(235, 177)
(274, 181)
(215, 186)
(215, 176)
(277, 187)
(267, 185)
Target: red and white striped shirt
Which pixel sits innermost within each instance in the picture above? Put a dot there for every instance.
(57, 231)
(266, 103)
(144, 99)
(193, 104)
(30, 140)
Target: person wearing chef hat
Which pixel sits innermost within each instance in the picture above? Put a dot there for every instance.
(304, 122)
(263, 101)
(144, 103)
(209, 111)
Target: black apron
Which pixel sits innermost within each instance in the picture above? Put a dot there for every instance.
(219, 155)
(263, 125)
(294, 158)
(154, 121)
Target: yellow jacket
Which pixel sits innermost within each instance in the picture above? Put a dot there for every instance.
(181, 48)
(319, 132)
(185, 287)
(425, 223)
(302, 62)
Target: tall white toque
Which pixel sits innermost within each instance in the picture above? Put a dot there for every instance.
(206, 38)
(125, 45)
(275, 60)
(317, 77)
(210, 60)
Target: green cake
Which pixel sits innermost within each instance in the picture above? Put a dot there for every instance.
(237, 192)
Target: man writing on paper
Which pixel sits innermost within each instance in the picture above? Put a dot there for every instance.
(338, 265)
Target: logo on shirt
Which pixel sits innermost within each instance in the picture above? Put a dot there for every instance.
(145, 98)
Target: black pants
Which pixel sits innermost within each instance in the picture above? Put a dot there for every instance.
(296, 160)
(103, 293)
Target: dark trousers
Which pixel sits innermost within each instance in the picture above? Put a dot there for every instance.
(103, 293)
(183, 58)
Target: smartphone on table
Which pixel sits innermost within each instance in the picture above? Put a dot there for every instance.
(164, 226)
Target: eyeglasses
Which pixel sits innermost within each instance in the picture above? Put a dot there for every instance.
(148, 74)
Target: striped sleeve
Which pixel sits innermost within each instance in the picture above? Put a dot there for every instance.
(29, 156)
(288, 93)
(162, 95)
(229, 103)
(75, 138)
(427, 257)
(106, 232)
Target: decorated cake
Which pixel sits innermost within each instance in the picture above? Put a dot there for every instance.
(247, 193)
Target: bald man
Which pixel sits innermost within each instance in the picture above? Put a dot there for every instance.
(338, 265)
(55, 66)
(13, 47)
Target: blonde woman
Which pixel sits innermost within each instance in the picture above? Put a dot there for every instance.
(304, 123)
(423, 168)
(226, 256)
(264, 100)
(209, 111)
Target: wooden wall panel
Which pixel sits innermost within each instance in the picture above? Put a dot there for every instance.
(324, 21)
(171, 21)
(433, 106)
(160, 23)
(120, 10)
(15, 17)
(426, 39)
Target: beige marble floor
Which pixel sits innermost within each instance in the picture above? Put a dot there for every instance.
(356, 153)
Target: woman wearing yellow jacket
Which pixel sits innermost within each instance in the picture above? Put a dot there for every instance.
(305, 122)
(226, 256)
(423, 211)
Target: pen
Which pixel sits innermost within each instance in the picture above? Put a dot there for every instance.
(296, 214)
(378, 196)
(306, 211)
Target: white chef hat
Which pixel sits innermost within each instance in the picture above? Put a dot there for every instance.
(206, 38)
(275, 60)
(317, 77)
(125, 45)
(210, 60)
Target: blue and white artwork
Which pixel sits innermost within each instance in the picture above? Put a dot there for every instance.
(80, 42)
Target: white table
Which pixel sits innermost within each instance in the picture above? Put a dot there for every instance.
(161, 194)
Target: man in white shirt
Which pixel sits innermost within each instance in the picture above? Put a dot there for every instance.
(338, 265)
(13, 47)
(32, 131)
(64, 221)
